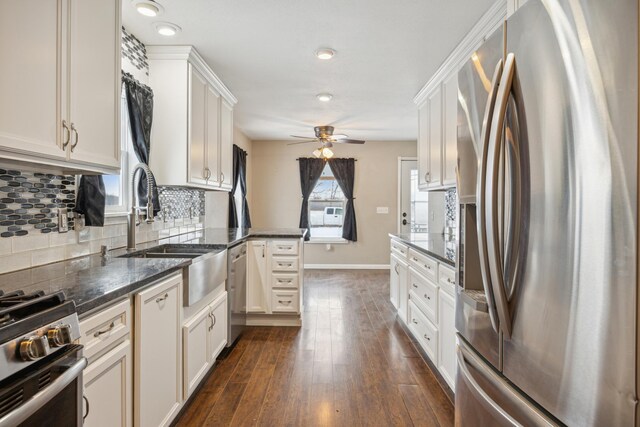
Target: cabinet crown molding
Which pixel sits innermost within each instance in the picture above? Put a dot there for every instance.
(189, 53)
(496, 14)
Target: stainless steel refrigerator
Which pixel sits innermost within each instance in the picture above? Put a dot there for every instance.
(547, 308)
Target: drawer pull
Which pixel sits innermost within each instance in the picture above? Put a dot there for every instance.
(427, 297)
(426, 337)
(162, 298)
(415, 259)
(414, 321)
(414, 285)
(284, 302)
(449, 280)
(428, 267)
(285, 248)
(285, 281)
(284, 265)
(109, 328)
(213, 320)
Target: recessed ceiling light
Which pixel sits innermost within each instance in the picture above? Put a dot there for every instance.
(148, 8)
(167, 29)
(324, 97)
(325, 53)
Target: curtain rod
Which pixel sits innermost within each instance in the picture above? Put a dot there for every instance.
(355, 160)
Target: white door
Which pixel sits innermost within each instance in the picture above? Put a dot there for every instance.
(197, 126)
(226, 145)
(158, 367)
(217, 327)
(30, 76)
(257, 281)
(107, 388)
(94, 82)
(213, 137)
(414, 203)
(195, 350)
(447, 347)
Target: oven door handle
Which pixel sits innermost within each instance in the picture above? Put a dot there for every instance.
(23, 412)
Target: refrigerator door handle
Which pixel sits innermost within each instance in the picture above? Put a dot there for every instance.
(481, 193)
(496, 262)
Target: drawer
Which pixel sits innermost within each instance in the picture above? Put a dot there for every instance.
(284, 280)
(104, 329)
(285, 301)
(447, 279)
(281, 263)
(399, 249)
(424, 331)
(284, 247)
(425, 292)
(424, 265)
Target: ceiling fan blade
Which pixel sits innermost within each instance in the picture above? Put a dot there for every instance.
(303, 137)
(301, 142)
(349, 141)
(339, 136)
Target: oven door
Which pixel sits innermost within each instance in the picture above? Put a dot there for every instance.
(49, 393)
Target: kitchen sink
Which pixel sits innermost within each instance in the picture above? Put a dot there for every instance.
(207, 271)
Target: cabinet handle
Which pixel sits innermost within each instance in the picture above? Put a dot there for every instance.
(414, 259)
(426, 337)
(284, 302)
(396, 269)
(263, 251)
(75, 131)
(427, 297)
(427, 177)
(162, 298)
(414, 321)
(449, 280)
(109, 328)
(68, 138)
(86, 401)
(221, 178)
(414, 285)
(427, 267)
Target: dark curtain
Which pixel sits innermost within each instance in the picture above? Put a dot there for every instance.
(90, 200)
(344, 171)
(239, 179)
(140, 106)
(310, 171)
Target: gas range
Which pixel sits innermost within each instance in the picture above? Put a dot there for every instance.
(41, 363)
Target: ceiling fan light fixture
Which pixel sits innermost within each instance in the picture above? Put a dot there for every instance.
(327, 153)
(167, 29)
(324, 97)
(317, 153)
(148, 8)
(325, 53)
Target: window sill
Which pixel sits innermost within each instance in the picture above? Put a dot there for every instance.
(325, 241)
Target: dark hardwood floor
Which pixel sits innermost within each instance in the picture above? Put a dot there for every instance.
(350, 364)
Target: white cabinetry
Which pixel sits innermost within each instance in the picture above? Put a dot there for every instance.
(257, 280)
(450, 130)
(60, 83)
(193, 120)
(434, 173)
(447, 344)
(158, 353)
(204, 337)
(424, 166)
(399, 271)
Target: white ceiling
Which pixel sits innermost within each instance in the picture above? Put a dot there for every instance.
(264, 52)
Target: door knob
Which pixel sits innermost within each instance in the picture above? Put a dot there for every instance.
(404, 222)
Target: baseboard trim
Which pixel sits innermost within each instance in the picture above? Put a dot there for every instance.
(347, 266)
(254, 319)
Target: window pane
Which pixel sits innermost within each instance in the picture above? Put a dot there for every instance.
(113, 190)
(419, 205)
(326, 207)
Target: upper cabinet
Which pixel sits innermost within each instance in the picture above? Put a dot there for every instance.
(192, 134)
(60, 83)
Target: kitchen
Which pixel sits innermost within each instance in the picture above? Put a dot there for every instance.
(415, 215)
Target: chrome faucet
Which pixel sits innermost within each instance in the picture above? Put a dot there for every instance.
(133, 215)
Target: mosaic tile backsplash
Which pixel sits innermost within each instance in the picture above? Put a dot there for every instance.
(177, 202)
(134, 50)
(29, 201)
(451, 209)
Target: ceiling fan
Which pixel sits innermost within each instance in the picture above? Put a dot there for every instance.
(325, 136)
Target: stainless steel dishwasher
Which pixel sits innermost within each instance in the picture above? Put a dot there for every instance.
(236, 292)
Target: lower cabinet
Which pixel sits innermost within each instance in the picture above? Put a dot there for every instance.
(158, 353)
(257, 281)
(107, 389)
(399, 274)
(204, 337)
(447, 344)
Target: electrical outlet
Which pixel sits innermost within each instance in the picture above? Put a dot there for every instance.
(63, 220)
(382, 209)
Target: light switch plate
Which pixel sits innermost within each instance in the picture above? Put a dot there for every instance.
(63, 220)
(382, 209)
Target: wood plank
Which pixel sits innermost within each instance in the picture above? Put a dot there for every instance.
(417, 405)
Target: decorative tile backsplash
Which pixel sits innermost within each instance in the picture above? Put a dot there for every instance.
(29, 201)
(180, 202)
(451, 208)
(134, 50)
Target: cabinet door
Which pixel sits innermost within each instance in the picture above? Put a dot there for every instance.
(226, 145)
(403, 290)
(435, 139)
(158, 364)
(257, 281)
(195, 352)
(394, 282)
(31, 34)
(197, 133)
(107, 387)
(94, 82)
(424, 169)
(447, 346)
(213, 136)
(450, 144)
(218, 327)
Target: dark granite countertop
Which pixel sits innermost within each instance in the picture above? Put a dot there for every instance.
(439, 246)
(93, 281)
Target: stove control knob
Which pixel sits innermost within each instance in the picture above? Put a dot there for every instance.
(59, 336)
(34, 347)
